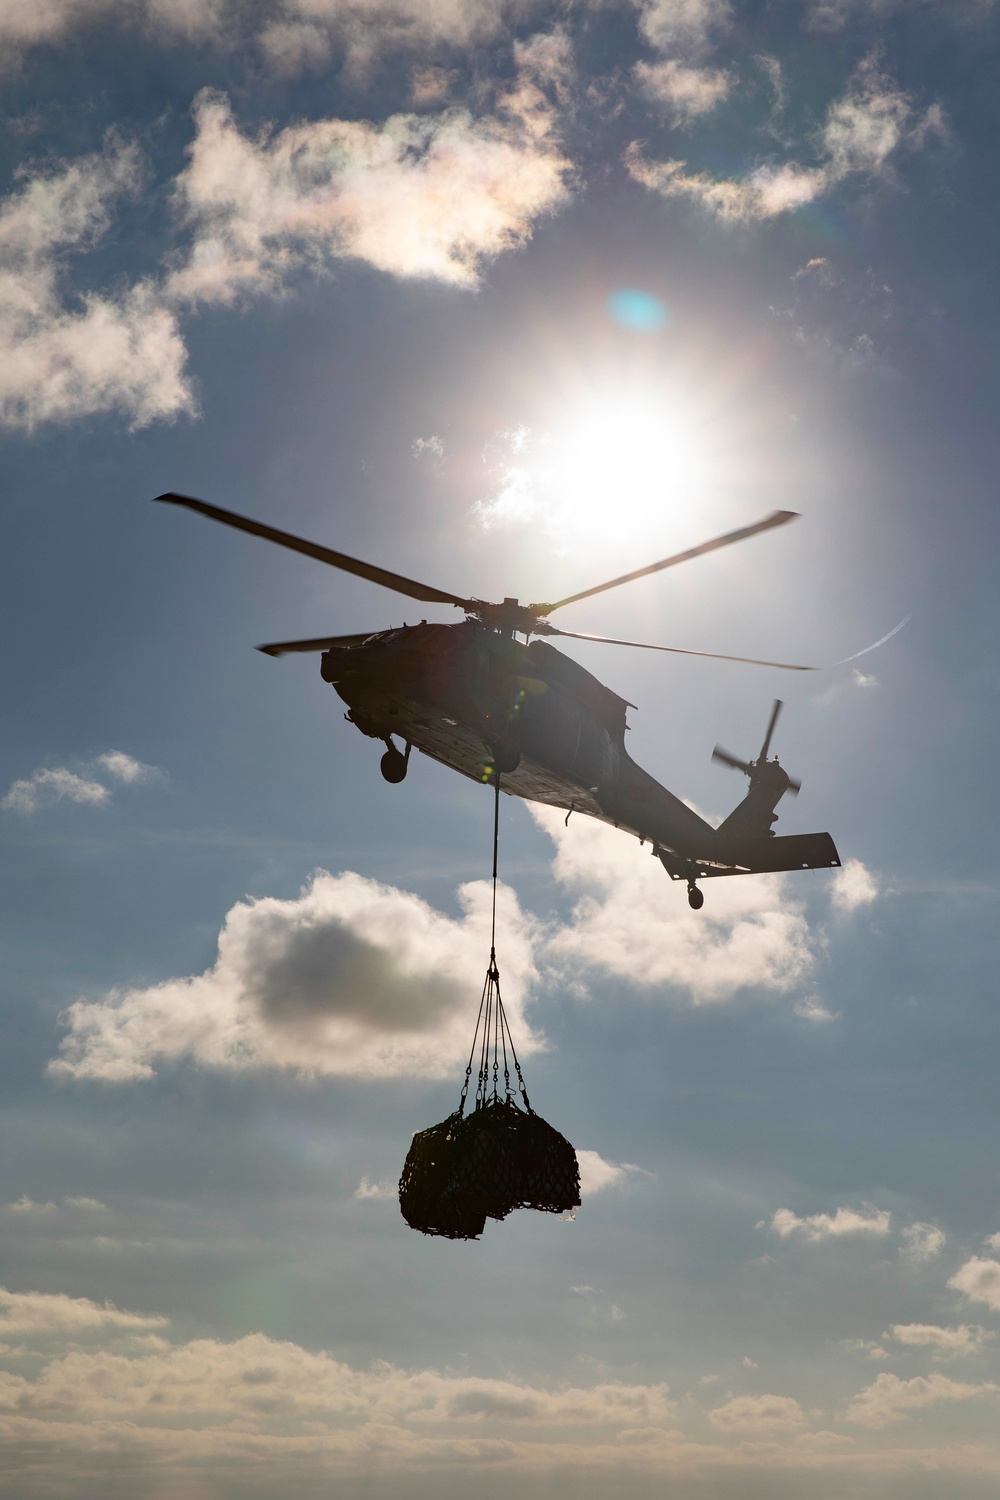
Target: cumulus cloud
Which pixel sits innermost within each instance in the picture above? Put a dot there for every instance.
(418, 196)
(861, 134)
(749, 935)
(946, 1341)
(50, 785)
(350, 978)
(817, 1227)
(209, 1402)
(748, 1414)
(889, 1399)
(62, 357)
(853, 885)
(979, 1280)
(597, 1174)
(682, 92)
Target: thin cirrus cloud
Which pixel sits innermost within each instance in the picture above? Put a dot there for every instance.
(356, 978)
(52, 784)
(862, 132)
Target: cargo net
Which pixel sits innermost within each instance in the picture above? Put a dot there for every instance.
(501, 1156)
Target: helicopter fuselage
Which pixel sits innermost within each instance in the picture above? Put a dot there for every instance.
(481, 702)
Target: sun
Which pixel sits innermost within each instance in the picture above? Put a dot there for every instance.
(619, 469)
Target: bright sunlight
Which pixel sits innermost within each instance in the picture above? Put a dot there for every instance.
(623, 462)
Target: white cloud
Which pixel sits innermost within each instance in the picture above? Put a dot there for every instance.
(817, 1227)
(853, 885)
(667, 24)
(432, 196)
(54, 784)
(46, 787)
(29, 1313)
(862, 132)
(72, 358)
(889, 1399)
(352, 978)
(126, 768)
(992, 1241)
(811, 1008)
(979, 1279)
(684, 93)
(748, 1414)
(380, 1190)
(630, 921)
(921, 1242)
(596, 1173)
(949, 1341)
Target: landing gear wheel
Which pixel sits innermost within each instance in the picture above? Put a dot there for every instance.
(696, 898)
(393, 765)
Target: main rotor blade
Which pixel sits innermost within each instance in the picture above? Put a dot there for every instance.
(319, 643)
(724, 758)
(608, 640)
(776, 518)
(775, 711)
(395, 581)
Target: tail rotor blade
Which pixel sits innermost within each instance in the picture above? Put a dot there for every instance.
(776, 710)
(725, 759)
(794, 785)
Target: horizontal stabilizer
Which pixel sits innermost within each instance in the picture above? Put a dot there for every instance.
(797, 851)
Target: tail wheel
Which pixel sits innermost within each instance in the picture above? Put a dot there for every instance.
(696, 898)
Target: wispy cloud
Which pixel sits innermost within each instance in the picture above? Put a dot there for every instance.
(683, 93)
(853, 886)
(861, 134)
(64, 357)
(49, 785)
(815, 1228)
(921, 1243)
(596, 1174)
(962, 1340)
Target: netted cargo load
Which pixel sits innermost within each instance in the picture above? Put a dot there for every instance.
(501, 1155)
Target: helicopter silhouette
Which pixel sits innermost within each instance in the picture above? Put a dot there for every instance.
(475, 698)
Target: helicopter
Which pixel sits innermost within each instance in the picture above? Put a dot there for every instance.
(475, 698)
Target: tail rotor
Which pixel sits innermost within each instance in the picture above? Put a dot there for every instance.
(760, 769)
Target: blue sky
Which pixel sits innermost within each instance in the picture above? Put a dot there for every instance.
(510, 298)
